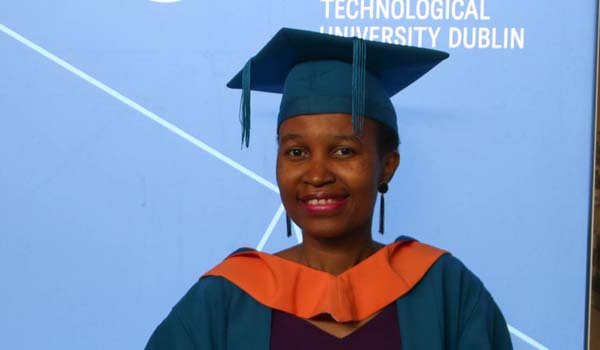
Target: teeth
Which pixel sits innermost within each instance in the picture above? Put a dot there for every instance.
(321, 201)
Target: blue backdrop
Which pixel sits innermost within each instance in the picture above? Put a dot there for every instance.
(123, 179)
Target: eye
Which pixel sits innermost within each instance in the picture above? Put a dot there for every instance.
(343, 152)
(295, 153)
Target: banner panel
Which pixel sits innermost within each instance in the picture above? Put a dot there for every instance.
(124, 179)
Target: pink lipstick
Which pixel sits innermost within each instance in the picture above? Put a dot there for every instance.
(323, 203)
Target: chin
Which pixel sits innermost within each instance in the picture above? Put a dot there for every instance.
(325, 230)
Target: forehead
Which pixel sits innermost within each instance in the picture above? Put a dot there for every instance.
(326, 124)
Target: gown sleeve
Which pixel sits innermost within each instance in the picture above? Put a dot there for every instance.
(481, 323)
(451, 309)
(484, 327)
(197, 321)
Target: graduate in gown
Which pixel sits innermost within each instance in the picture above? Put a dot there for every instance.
(338, 289)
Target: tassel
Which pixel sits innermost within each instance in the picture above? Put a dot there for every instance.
(245, 104)
(381, 214)
(359, 59)
(383, 188)
(288, 225)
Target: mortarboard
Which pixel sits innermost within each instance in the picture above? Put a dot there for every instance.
(322, 73)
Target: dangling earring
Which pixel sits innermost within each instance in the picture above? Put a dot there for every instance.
(288, 225)
(383, 188)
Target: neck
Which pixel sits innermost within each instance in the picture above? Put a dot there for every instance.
(336, 255)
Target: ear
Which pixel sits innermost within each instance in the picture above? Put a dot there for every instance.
(390, 163)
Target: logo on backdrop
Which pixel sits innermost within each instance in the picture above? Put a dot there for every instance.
(411, 32)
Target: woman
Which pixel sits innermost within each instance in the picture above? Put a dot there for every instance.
(338, 289)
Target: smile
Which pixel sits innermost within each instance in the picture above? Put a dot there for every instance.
(321, 201)
(323, 205)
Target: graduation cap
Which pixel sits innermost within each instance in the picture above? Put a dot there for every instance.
(322, 73)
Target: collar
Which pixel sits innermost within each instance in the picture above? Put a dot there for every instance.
(354, 295)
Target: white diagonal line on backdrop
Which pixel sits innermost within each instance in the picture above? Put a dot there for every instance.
(154, 117)
(270, 228)
(526, 338)
(179, 132)
(267, 234)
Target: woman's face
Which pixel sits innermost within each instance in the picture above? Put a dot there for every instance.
(327, 176)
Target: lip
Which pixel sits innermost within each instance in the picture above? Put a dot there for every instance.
(334, 202)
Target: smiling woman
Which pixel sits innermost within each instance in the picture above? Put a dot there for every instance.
(339, 288)
(328, 177)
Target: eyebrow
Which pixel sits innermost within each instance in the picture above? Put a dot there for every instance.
(350, 137)
(341, 137)
(288, 137)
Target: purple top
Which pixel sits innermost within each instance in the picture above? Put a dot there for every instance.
(382, 332)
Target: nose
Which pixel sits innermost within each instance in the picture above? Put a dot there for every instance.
(318, 172)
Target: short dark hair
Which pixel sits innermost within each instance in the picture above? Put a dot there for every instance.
(387, 139)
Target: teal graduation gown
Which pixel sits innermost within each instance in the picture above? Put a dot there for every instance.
(449, 308)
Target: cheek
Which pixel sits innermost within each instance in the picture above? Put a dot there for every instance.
(287, 178)
(361, 175)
